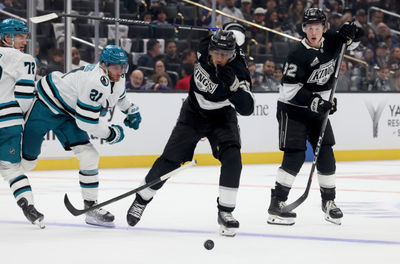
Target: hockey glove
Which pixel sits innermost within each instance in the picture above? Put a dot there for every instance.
(319, 105)
(226, 75)
(347, 33)
(133, 117)
(116, 134)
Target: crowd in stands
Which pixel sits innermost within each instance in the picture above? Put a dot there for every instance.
(162, 57)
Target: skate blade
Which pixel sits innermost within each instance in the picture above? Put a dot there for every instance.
(336, 221)
(226, 231)
(95, 222)
(276, 220)
(39, 223)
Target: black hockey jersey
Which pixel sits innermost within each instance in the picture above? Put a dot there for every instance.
(309, 70)
(207, 92)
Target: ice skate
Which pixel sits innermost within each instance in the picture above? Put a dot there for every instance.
(333, 214)
(99, 216)
(228, 224)
(31, 213)
(276, 216)
(135, 212)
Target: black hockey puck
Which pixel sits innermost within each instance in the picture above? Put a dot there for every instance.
(209, 244)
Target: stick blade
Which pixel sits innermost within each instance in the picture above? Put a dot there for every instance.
(71, 208)
(44, 18)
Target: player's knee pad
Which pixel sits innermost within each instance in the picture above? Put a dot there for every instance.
(28, 165)
(88, 158)
(292, 161)
(326, 163)
(10, 170)
(231, 167)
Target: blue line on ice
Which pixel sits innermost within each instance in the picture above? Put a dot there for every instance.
(189, 231)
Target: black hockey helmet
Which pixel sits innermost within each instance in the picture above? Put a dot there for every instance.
(223, 40)
(314, 15)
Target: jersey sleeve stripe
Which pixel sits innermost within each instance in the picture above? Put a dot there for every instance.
(87, 107)
(48, 100)
(24, 82)
(24, 95)
(57, 95)
(87, 119)
(11, 116)
(9, 104)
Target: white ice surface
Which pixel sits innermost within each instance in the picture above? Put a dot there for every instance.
(183, 215)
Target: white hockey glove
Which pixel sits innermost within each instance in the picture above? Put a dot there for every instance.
(133, 117)
(116, 134)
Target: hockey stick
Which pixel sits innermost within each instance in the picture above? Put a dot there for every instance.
(51, 16)
(303, 197)
(77, 212)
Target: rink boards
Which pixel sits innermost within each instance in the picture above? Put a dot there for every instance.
(366, 126)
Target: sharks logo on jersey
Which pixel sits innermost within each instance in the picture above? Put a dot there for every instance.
(104, 80)
(202, 80)
(321, 75)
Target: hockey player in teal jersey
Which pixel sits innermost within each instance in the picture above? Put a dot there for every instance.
(17, 75)
(70, 104)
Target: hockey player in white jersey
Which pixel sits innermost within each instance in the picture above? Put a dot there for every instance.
(17, 74)
(71, 104)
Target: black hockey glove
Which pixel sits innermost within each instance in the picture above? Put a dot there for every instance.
(347, 33)
(319, 105)
(226, 75)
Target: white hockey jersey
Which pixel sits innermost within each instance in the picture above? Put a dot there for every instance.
(17, 75)
(81, 94)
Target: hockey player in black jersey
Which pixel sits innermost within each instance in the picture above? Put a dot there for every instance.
(219, 89)
(303, 101)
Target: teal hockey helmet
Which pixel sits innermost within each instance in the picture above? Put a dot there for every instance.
(112, 54)
(12, 27)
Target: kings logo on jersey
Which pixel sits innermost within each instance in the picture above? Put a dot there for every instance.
(202, 80)
(321, 75)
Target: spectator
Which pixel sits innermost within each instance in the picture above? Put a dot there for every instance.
(170, 53)
(394, 58)
(270, 6)
(205, 15)
(76, 59)
(383, 31)
(154, 5)
(161, 81)
(135, 81)
(361, 19)
(188, 56)
(153, 50)
(394, 79)
(381, 83)
(277, 76)
(159, 66)
(268, 83)
(344, 80)
(186, 72)
(381, 54)
(161, 16)
(255, 76)
(230, 9)
(370, 39)
(377, 17)
(147, 17)
(258, 34)
(245, 7)
(56, 62)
